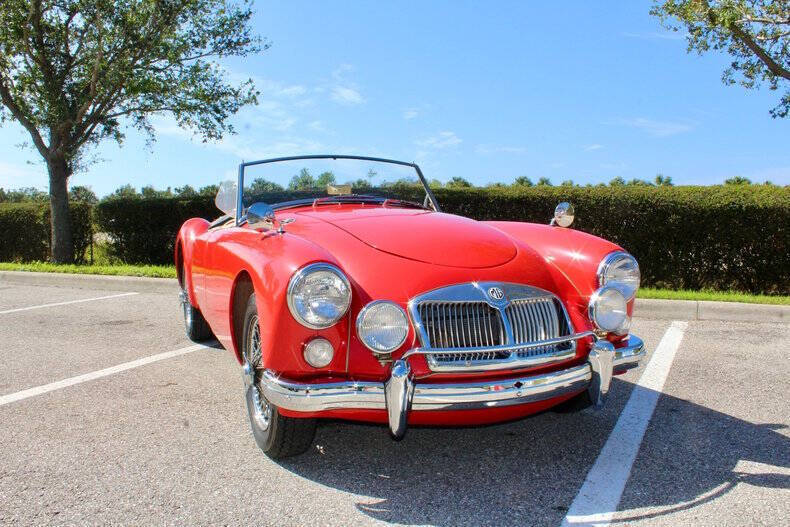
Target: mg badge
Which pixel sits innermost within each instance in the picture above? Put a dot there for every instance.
(496, 293)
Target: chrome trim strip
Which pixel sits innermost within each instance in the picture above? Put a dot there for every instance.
(475, 395)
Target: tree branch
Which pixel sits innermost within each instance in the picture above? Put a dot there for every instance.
(16, 111)
(775, 68)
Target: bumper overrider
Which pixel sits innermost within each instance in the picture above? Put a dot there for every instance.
(400, 394)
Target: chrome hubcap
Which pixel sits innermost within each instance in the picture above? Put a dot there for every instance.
(261, 409)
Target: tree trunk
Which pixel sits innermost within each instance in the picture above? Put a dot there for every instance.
(60, 219)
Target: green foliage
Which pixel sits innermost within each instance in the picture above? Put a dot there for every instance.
(523, 181)
(302, 181)
(25, 231)
(83, 194)
(23, 195)
(260, 186)
(458, 182)
(662, 180)
(738, 180)
(324, 179)
(755, 33)
(544, 182)
(724, 237)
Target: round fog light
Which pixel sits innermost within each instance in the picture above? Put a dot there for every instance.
(608, 309)
(318, 353)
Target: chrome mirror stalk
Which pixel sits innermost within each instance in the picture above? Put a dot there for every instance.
(601, 361)
(398, 392)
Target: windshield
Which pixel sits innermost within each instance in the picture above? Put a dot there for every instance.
(292, 182)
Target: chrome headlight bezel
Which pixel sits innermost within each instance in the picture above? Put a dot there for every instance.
(594, 307)
(612, 261)
(366, 311)
(301, 275)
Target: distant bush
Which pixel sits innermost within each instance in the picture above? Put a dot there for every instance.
(720, 237)
(25, 231)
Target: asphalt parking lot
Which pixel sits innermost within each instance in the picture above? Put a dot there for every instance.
(167, 441)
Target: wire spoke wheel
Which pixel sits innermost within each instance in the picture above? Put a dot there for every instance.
(261, 409)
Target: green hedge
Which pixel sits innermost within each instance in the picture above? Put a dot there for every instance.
(721, 237)
(25, 233)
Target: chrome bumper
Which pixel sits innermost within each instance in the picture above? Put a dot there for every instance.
(400, 394)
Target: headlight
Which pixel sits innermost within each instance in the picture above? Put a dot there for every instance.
(620, 270)
(318, 295)
(608, 310)
(382, 326)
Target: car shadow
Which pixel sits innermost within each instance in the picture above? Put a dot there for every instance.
(528, 472)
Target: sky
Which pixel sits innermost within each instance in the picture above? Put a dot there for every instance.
(488, 91)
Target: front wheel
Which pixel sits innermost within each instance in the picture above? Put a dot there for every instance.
(277, 435)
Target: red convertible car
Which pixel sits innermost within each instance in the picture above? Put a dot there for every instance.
(353, 304)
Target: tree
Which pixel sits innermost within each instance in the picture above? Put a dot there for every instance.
(756, 34)
(360, 184)
(663, 181)
(24, 195)
(125, 191)
(302, 181)
(617, 182)
(458, 182)
(209, 190)
(83, 194)
(187, 191)
(640, 183)
(263, 186)
(324, 179)
(738, 180)
(523, 181)
(149, 192)
(567, 183)
(76, 72)
(544, 182)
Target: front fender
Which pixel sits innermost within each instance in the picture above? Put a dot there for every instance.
(185, 254)
(572, 258)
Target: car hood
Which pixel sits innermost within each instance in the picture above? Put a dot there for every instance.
(429, 237)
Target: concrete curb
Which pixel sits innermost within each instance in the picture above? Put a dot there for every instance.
(92, 281)
(707, 310)
(644, 308)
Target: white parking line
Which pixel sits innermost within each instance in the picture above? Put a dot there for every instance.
(65, 303)
(71, 381)
(597, 500)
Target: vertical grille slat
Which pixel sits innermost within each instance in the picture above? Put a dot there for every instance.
(464, 324)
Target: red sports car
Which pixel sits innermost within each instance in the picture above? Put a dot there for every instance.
(354, 304)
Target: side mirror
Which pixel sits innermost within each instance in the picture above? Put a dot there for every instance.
(563, 215)
(260, 215)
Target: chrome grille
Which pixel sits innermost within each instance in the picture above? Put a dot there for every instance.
(536, 319)
(469, 317)
(462, 325)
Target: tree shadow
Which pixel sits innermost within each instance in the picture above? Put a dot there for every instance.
(528, 472)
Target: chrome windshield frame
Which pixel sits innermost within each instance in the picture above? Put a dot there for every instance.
(242, 167)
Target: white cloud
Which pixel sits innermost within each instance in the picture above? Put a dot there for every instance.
(343, 91)
(590, 148)
(346, 95)
(657, 128)
(499, 149)
(317, 126)
(441, 140)
(410, 113)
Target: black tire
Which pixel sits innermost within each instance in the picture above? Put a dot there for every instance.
(196, 327)
(278, 436)
(577, 403)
